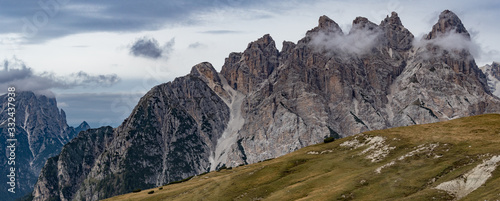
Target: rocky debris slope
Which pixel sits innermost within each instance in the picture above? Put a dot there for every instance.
(266, 103)
(472, 180)
(41, 131)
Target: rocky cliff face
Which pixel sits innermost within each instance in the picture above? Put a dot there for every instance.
(170, 135)
(492, 73)
(41, 131)
(245, 71)
(61, 176)
(266, 103)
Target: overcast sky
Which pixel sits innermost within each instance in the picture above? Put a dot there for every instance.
(98, 57)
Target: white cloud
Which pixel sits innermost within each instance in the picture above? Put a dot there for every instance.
(451, 42)
(15, 73)
(358, 42)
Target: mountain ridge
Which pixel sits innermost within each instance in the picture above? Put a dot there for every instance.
(41, 131)
(266, 103)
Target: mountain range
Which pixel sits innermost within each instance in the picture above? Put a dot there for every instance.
(265, 103)
(41, 131)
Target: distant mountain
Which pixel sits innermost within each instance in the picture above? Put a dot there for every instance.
(492, 73)
(82, 127)
(41, 131)
(266, 103)
(452, 160)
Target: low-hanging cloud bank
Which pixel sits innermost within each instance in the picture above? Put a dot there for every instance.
(15, 73)
(451, 42)
(357, 42)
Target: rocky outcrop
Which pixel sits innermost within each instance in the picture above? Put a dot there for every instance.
(492, 73)
(41, 131)
(448, 21)
(445, 82)
(266, 103)
(495, 70)
(245, 71)
(398, 37)
(62, 175)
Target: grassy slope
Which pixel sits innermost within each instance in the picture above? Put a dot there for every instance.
(346, 174)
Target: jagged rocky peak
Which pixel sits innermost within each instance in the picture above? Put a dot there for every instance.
(263, 47)
(262, 42)
(41, 130)
(286, 51)
(398, 37)
(495, 70)
(448, 21)
(393, 20)
(362, 23)
(206, 72)
(287, 45)
(492, 73)
(82, 127)
(244, 71)
(326, 25)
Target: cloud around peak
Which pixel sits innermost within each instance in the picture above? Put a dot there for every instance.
(359, 41)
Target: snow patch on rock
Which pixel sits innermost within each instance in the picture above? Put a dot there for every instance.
(465, 184)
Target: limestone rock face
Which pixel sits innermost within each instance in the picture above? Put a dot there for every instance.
(319, 92)
(448, 21)
(495, 70)
(62, 175)
(492, 73)
(246, 70)
(210, 76)
(325, 24)
(41, 131)
(398, 37)
(266, 103)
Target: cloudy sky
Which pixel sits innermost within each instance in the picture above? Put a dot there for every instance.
(99, 57)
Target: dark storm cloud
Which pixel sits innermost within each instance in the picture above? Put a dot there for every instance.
(146, 47)
(43, 20)
(150, 48)
(15, 73)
